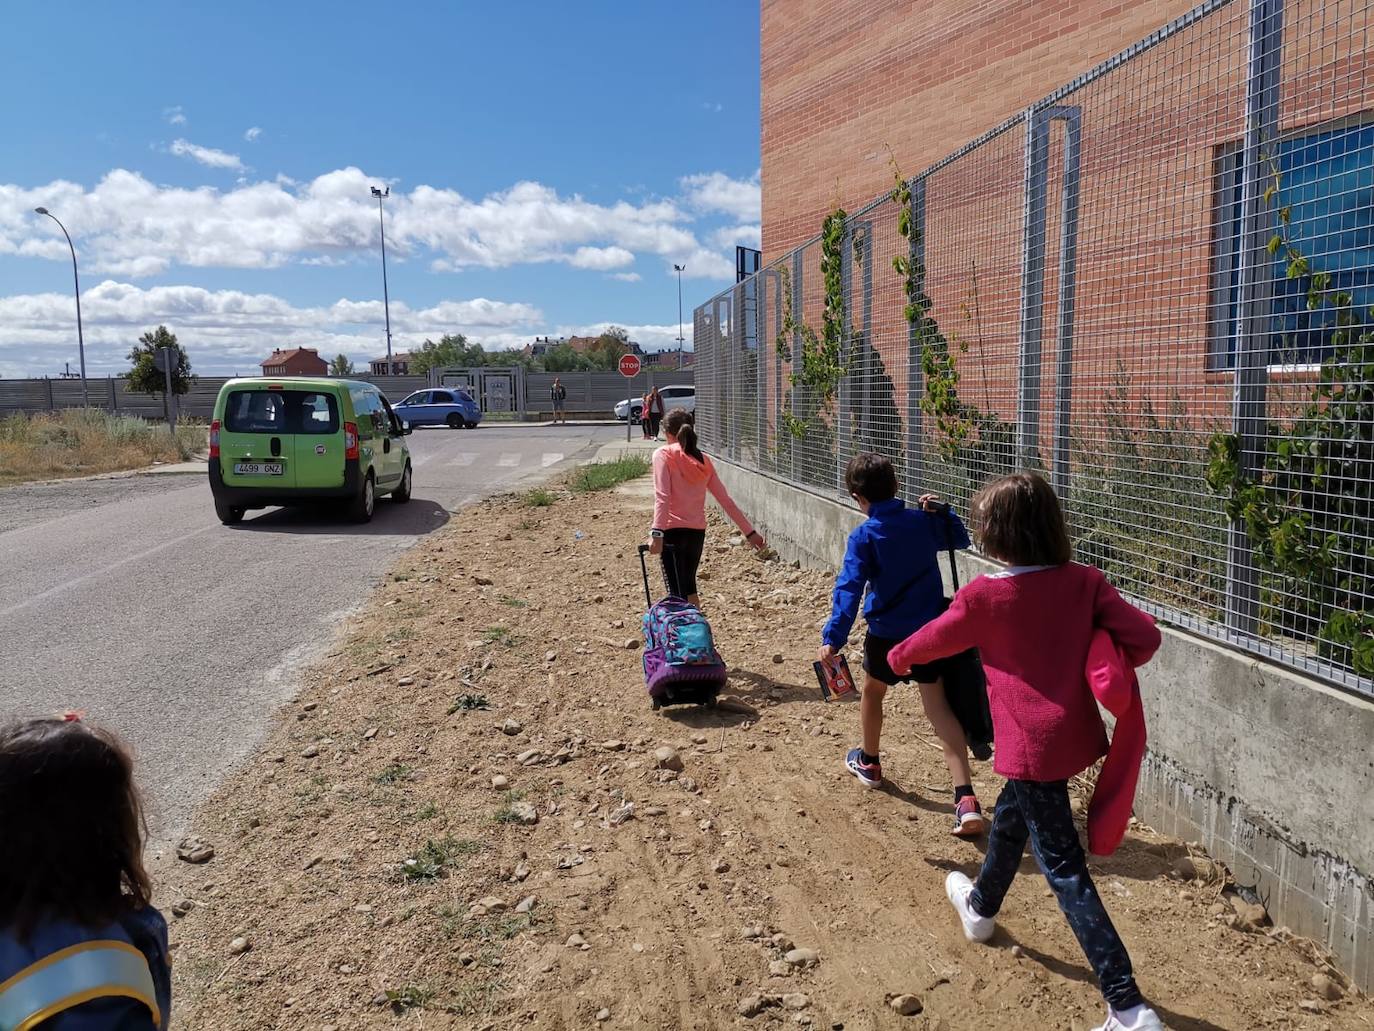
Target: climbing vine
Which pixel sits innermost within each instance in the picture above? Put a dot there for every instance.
(817, 366)
(1309, 510)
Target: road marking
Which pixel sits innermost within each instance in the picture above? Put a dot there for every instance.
(551, 458)
(509, 460)
(59, 588)
(465, 459)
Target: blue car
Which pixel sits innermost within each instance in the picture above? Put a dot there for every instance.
(448, 407)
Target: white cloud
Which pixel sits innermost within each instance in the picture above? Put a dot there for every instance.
(718, 192)
(602, 258)
(228, 330)
(252, 134)
(208, 156)
(743, 235)
(174, 115)
(626, 277)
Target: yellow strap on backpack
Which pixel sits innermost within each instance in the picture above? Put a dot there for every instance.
(72, 976)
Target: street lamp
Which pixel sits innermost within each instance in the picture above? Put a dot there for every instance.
(386, 299)
(679, 269)
(80, 337)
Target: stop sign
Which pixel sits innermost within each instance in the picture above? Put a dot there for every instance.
(629, 365)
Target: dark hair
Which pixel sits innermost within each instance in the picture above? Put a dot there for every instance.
(1018, 521)
(73, 824)
(680, 424)
(871, 477)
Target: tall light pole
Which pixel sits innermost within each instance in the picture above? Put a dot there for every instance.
(679, 269)
(386, 299)
(80, 337)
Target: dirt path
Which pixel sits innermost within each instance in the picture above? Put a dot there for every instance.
(377, 873)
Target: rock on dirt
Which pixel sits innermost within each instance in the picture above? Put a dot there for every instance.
(668, 759)
(1198, 868)
(796, 1001)
(511, 727)
(905, 1005)
(525, 905)
(240, 945)
(803, 957)
(500, 783)
(753, 1005)
(1326, 987)
(1250, 916)
(195, 849)
(524, 813)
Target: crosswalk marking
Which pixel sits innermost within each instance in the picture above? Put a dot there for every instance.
(509, 460)
(551, 458)
(465, 459)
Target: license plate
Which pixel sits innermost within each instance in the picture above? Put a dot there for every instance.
(257, 468)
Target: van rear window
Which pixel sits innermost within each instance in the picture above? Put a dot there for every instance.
(281, 411)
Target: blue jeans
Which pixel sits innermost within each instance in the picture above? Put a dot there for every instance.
(1038, 811)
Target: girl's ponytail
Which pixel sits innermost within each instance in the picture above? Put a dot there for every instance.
(679, 424)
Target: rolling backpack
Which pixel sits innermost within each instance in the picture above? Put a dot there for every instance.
(681, 664)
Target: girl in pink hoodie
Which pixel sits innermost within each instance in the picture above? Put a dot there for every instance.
(682, 476)
(1034, 623)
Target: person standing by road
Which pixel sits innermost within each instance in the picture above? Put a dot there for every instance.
(655, 411)
(682, 476)
(646, 419)
(558, 393)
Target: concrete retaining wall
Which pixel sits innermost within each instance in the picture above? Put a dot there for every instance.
(1271, 772)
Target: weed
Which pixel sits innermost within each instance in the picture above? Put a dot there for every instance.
(400, 634)
(499, 635)
(411, 996)
(428, 811)
(605, 475)
(514, 603)
(393, 774)
(506, 814)
(476, 999)
(400, 578)
(467, 703)
(539, 498)
(82, 441)
(527, 524)
(437, 856)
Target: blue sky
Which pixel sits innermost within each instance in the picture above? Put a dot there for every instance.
(548, 163)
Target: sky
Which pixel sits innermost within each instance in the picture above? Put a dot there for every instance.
(548, 164)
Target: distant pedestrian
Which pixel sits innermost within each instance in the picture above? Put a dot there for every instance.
(81, 946)
(655, 411)
(558, 393)
(1033, 624)
(646, 419)
(682, 476)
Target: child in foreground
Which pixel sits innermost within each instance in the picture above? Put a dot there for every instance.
(1033, 623)
(81, 947)
(895, 553)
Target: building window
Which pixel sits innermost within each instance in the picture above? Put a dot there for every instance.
(1325, 178)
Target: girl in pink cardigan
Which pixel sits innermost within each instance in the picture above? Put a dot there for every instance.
(1033, 623)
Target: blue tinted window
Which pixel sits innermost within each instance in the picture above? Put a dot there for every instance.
(1326, 181)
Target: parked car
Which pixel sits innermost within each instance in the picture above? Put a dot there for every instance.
(292, 441)
(673, 397)
(449, 407)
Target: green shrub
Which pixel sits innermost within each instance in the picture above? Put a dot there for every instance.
(605, 475)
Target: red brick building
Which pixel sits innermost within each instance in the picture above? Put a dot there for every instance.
(299, 361)
(848, 85)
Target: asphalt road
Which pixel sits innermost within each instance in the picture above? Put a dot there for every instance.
(127, 599)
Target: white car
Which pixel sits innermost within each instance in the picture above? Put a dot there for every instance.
(673, 397)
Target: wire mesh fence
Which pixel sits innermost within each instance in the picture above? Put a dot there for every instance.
(1154, 286)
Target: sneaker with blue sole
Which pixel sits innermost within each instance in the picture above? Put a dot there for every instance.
(870, 775)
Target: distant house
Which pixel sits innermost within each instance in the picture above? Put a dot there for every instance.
(299, 361)
(543, 345)
(400, 365)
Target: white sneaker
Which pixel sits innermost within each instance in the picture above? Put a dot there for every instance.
(1137, 1018)
(976, 928)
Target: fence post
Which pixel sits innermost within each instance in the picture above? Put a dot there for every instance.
(1252, 344)
(1072, 118)
(798, 267)
(915, 371)
(1032, 293)
(844, 417)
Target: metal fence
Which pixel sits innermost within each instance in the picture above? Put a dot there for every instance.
(1155, 286)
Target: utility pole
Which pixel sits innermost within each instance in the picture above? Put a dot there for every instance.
(386, 298)
(679, 269)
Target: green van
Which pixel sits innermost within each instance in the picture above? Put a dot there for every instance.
(297, 440)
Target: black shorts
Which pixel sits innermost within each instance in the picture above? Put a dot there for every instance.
(681, 556)
(875, 663)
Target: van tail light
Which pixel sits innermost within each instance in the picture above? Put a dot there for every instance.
(351, 440)
(214, 439)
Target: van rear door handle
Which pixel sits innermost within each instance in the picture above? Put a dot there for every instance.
(276, 447)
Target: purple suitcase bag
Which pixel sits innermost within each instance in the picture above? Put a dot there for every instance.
(681, 664)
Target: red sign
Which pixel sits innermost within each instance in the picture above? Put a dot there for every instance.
(629, 365)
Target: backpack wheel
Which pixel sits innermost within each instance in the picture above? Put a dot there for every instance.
(656, 704)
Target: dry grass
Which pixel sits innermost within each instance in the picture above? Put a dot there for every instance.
(79, 442)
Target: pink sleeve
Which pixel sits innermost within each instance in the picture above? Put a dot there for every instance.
(953, 632)
(1133, 631)
(660, 491)
(722, 495)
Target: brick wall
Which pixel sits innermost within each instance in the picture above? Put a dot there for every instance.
(845, 80)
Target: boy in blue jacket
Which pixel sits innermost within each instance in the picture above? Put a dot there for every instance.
(895, 553)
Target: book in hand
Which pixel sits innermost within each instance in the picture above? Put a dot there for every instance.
(837, 683)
